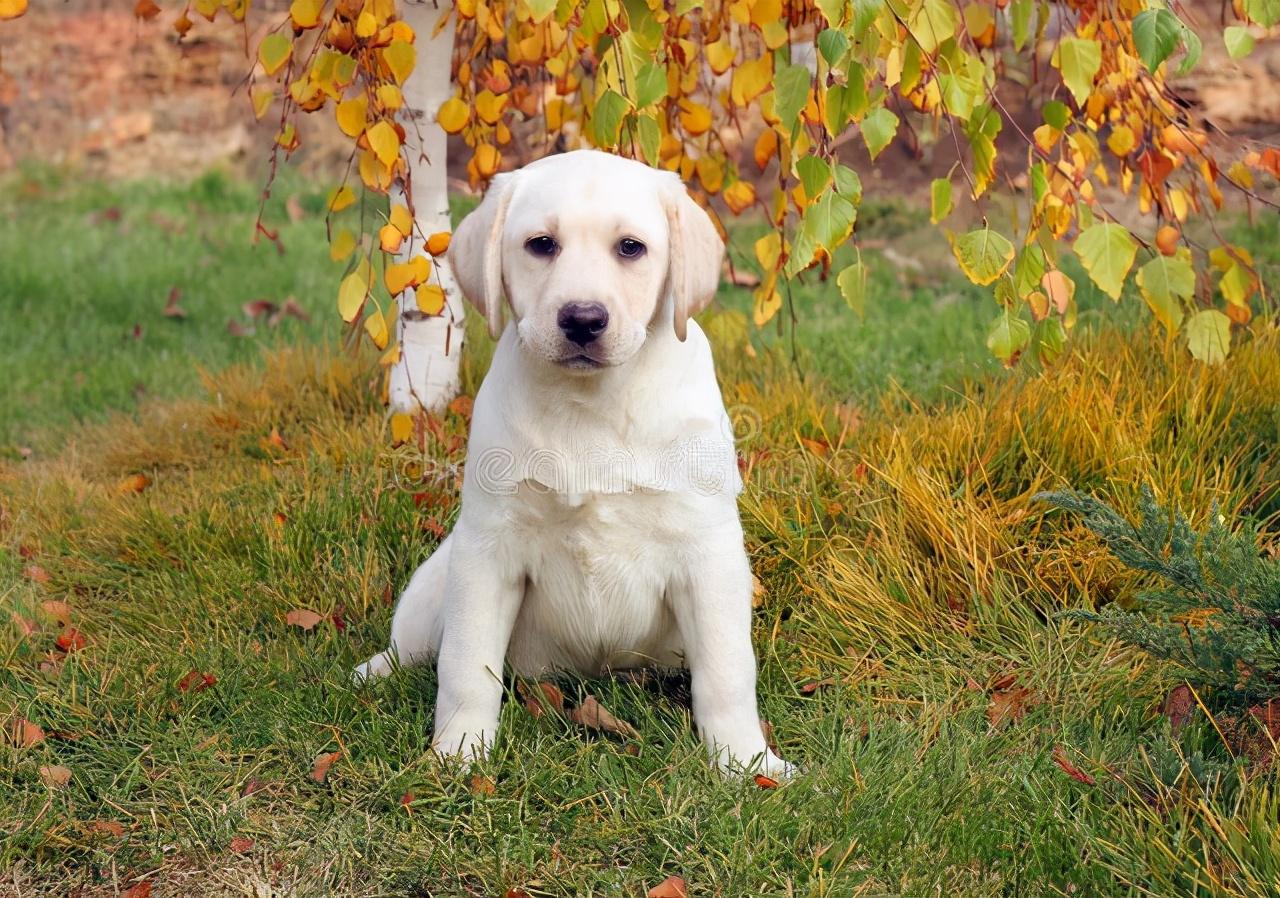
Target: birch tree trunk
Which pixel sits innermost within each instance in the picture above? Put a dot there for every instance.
(430, 345)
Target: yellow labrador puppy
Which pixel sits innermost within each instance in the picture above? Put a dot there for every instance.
(599, 526)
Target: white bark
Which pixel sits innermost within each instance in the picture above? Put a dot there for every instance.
(430, 346)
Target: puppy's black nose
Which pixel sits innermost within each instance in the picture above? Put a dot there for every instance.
(582, 322)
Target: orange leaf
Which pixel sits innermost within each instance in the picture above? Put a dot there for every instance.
(595, 716)
(71, 640)
(438, 243)
(25, 734)
(1071, 770)
(303, 618)
(35, 573)
(390, 238)
(146, 9)
(139, 890)
(241, 845)
(59, 611)
(1008, 705)
(320, 769)
(134, 483)
(482, 785)
(11, 9)
(671, 887)
(766, 782)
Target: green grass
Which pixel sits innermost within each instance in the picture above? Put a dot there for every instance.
(905, 562)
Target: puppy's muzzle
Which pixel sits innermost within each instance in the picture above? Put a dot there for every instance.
(582, 322)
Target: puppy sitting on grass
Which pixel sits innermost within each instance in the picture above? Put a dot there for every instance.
(599, 525)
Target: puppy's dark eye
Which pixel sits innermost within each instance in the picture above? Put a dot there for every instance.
(629, 248)
(542, 245)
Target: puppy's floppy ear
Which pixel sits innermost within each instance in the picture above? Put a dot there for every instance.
(475, 252)
(696, 252)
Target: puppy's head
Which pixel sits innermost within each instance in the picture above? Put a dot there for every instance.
(591, 250)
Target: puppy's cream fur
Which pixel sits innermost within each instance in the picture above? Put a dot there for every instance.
(599, 525)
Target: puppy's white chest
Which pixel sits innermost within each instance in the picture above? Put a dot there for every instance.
(597, 570)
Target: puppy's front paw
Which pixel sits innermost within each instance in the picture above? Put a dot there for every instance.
(775, 768)
(375, 668)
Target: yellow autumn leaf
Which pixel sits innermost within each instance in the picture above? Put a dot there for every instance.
(375, 325)
(739, 195)
(489, 106)
(391, 356)
(341, 198)
(342, 244)
(1121, 140)
(400, 57)
(401, 427)
(720, 55)
(400, 219)
(351, 294)
(453, 115)
(273, 52)
(487, 159)
(398, 277)
(430, 299)
(385, 143)
(750, 80)
(390, 238)
(351, 116)
(366, 25)
(306, 13)
(694, 117)
(390, 96)
(11, 9)
(420, 269)
(262, 98)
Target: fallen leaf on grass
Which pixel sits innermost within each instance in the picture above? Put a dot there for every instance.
(595, 716)
(196, 681)
(462, 406)
(766, 729)
(139, 890)
(253, 785)
(55, 776)
(1071, 770)
(59, 611)
(25, 734)
(171, 307)
(134, 483)
(1177, 707)
(25, 626)
(482, 785)
(516, 893)
(303, 618)
(241, 845)
(671, 887)
(320, 769)
(110, 827)
(407, 800)
(289, 309)
(814, 685)
(35, 573)
(551, 698)
(236, 329)
(766, 782)
(259, 308)
(71, 640)
(1008, 705)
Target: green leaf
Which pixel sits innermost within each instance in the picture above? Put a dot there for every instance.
(1050, 339)
(1236, 284)
(934, 22)
(650, 137)
(1194, 48)
(853, 286)
(1031, 269)
(1156, 33)
(1078, 59)
(273, 52)
(1209, 336)
(983, 255)
(1238, 40)
(1106, 251)
(1020, 13)
(541, 8)
(791, 86)
(814, 174)
(939, 200)
(826, 224)
(606, 118)
(1265, 12)
(878, 130)
(1009, 335)
(1056, 114)
(982, 129)
(832, 44)
(848, 184)
(1163, 282)
(650, 84)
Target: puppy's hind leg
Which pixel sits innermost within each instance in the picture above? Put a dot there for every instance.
(418, 620)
